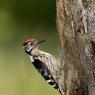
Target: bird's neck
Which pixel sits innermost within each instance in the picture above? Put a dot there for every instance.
(35, 52)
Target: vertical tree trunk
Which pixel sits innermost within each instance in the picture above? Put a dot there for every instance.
(76, 26)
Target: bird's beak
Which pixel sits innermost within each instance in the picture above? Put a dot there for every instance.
(42, 41)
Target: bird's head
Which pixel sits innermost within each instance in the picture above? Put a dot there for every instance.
(31, 44)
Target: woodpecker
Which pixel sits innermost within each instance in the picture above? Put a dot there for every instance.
(44, 62)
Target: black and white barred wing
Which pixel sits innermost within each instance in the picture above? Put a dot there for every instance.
(43, 70)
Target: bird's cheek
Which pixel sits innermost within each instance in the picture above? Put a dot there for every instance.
(27, 48)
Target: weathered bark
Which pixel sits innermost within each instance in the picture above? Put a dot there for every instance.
(76, 26)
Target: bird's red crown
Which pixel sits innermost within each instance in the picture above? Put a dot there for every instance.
(29, 41)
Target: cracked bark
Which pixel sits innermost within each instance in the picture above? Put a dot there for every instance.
(76, 26)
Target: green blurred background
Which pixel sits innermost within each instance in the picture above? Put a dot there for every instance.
(20, 20)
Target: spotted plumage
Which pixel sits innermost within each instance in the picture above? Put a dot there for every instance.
(44, 62)
(43, 70)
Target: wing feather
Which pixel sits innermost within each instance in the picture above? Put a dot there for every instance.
(43, 70)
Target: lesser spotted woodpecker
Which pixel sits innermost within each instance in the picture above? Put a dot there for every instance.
(45, 63)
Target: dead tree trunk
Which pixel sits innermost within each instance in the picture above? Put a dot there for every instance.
(76, 26)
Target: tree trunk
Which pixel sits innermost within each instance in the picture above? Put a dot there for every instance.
(76, 26)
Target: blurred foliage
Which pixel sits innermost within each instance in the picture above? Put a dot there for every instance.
(20, 20)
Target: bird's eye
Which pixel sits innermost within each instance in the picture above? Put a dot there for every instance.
(30, 43)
